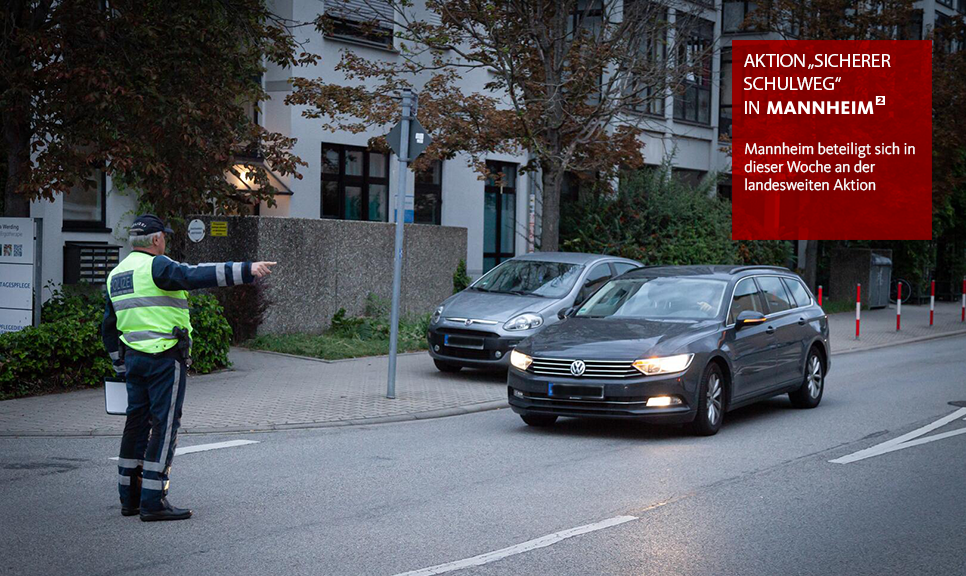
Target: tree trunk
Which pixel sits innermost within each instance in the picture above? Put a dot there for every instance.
(16, 143)
(811, 264)
(550, 234)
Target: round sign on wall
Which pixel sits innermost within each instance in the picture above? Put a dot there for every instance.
(196, 230)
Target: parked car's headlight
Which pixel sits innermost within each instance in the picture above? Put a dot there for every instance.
(666, 365)
(520, 360)
(437, 315)
(524, 322)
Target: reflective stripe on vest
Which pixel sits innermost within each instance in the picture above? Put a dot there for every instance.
(146, 314)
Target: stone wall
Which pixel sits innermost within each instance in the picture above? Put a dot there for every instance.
(324, 265)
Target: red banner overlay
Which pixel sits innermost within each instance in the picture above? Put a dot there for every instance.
(832, 140)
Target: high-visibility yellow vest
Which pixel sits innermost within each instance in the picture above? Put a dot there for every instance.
(146, 314)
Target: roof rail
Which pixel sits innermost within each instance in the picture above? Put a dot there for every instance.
(743, 268)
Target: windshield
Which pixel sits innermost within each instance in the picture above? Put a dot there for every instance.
(657, 298)
(530, 277)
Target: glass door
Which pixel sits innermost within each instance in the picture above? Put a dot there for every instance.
(499, 214)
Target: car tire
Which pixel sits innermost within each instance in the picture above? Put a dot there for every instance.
(538, 420)
(447, 367)
(711, 402)
(813, 386)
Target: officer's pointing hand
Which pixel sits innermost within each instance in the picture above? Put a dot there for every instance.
(262, 269)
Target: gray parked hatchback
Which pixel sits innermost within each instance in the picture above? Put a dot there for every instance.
(478, 327)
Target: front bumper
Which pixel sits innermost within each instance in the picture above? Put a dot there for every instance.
(471, 348)
(624, 398)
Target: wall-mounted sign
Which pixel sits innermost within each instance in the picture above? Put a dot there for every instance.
(219, 228)
(16, 273)
(196, 230)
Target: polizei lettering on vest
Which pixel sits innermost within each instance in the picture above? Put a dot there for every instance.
(820, 107)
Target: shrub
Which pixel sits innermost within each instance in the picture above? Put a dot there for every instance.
(461, 279)
(66, 352)
(244, 308)
(657, 219)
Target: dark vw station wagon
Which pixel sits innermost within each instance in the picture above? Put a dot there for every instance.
(676, 344)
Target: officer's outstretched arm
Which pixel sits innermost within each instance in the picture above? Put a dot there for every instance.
(171, 275)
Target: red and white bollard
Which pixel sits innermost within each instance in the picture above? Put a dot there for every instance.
(932, 300)
(899, 306)
(858, 308)
(962, 317)
(820, 292)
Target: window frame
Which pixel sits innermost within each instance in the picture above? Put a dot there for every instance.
(764, 299)
(811, 299)
(364, 181)
(501, 254)
(731, 301)
(90, 225)
(703, 79)
(726, 58)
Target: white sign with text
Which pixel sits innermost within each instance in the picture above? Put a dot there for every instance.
(16, 273)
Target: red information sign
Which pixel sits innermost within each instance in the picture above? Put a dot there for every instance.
(832, 140)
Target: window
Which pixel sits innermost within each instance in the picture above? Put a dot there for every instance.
(428, 201)
(622, 267)
(694, 105)
(745, 298)
(733, 15)
(355, 183)
(913, 30)
(692, 178)
(649, 94)
(724, 98)
(85, 204)
(798, 292)
(369, 21)
(595, 279)
(724, 187)
(499, 213)
(774, 292)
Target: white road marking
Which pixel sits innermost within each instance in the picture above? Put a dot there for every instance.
(204, 447)
(527, 546)
(907, 440)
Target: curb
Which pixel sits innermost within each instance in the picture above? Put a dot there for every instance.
(411, 416)
(910, 341)
(324, 361)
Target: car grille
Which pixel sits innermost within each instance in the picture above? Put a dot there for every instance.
(594, 368)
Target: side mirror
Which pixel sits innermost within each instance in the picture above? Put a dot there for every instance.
(565, 312)
(748, 318)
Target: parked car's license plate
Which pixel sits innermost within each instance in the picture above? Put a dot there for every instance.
(462, 342)
(570, 391)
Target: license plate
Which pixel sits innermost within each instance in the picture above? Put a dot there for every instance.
(462, 342)
(574, 392)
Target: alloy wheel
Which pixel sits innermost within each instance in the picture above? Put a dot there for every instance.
(814, 376)
(714, 399)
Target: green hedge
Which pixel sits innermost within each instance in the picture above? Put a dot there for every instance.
(65, 352)
(656, 219)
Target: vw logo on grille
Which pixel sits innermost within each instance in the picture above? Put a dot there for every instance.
(578, 367)
(468, 322)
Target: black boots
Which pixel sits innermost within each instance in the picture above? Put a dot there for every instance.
(166, 512)
(132, 506)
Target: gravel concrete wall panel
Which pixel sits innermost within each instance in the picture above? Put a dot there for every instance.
(324, 265)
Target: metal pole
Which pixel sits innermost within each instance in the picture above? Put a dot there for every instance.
(397, 258)
(38, 268)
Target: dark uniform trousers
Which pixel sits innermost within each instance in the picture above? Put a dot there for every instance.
(155, 391)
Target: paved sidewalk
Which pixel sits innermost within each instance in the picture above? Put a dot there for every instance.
(266, 391)
(878, 327)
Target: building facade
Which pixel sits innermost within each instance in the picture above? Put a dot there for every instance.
(345, 180)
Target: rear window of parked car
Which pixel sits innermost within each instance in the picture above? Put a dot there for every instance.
(798, 291)
(775, 294)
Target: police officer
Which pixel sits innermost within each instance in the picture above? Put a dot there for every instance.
(147, 332)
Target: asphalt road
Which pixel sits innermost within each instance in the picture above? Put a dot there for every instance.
(761, 497)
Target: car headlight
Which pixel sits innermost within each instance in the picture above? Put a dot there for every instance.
(437, 315)
(520, 360)
(666, 365)
(524, 322)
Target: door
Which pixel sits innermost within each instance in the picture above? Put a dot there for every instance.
(784, 320)
(752, 347)
(499, 214)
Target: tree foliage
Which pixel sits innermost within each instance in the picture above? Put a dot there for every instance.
(563, 80)
(153, 92)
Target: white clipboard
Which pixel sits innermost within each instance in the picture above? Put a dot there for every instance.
(115, 398)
